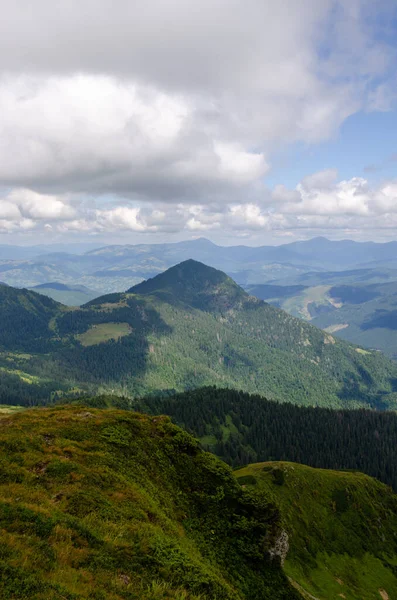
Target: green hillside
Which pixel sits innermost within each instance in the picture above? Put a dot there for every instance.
(341, 529)
(188, 327)
(25, 319)
(112, 504)
(117, 505)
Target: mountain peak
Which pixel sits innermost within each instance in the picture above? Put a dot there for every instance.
(193, 283)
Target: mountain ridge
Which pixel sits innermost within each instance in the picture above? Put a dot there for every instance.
(107, 267)
(118, 505)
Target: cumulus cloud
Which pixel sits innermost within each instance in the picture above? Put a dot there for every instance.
(98, 135)
(164, 116)
(319, 203)
(30, 204)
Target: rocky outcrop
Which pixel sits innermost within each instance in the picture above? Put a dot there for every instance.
(280, 548)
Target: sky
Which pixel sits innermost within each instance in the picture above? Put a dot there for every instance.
(253, 122)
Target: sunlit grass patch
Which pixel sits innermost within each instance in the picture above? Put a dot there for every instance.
(103, 333)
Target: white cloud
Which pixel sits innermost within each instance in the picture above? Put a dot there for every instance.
(36, 206)
(319, 203)
(123, 217)
(345, 197)
(320, 180)
(163, 116)
(180, 98)
(247, 216)
(9, 211)
(97, 134)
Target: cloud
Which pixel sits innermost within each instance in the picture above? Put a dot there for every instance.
(164, 116)
(98, 135)
(320, 180)
(177, 99)
(319, 203)
(32, 205)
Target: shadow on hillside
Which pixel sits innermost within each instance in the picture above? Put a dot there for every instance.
(115, 360)
(352, 392)
(383, 319)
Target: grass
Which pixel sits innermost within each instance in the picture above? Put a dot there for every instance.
(103, 333)
(228, 429)
(8, 410)
(341, 528)
(112, 505)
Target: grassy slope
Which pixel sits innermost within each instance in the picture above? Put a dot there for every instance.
(103, 333)
(342, 529)
(116, 505)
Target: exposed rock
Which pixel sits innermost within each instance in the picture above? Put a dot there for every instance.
(280, 547)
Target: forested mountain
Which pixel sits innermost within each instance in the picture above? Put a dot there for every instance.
(242, 428)
(25, 319)
(302, 278)
(188, 327)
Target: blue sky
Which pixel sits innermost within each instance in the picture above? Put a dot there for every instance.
(364, 146)
(255, 122)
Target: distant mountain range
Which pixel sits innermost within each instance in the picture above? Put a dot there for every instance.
(71, 295)
(303, 278)
(106, 269)
(187, 327)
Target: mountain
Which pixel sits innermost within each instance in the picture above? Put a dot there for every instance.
(194, 284)
(71, 295)
(13, 252)
(118, 505)
(188, 327)
(345, 254)
(341, 529)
